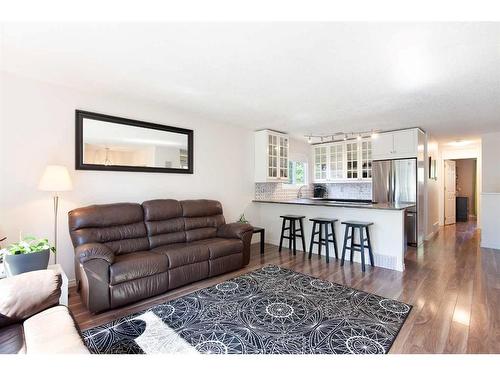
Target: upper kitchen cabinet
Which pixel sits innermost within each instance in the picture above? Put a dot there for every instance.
(395, 145)
(320, 163)
(344, 161)
(271, 156)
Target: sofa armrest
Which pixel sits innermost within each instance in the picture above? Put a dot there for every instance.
(27, 294)
(234, 230)
(90, 251)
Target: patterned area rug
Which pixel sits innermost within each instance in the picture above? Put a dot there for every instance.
(269, 311)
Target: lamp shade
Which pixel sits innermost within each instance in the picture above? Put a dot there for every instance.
(55, 178)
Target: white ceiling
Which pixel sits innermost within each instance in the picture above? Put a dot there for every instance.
(295, 77)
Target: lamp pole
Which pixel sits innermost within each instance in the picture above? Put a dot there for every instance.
(56, 206)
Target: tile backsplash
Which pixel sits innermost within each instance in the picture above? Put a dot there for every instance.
(355, 190)
(277, 191)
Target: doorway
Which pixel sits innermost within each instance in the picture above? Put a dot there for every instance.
(460, 189)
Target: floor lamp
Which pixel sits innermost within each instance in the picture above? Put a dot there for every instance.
(55, 178)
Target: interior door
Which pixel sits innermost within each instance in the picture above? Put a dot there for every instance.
(450, 191)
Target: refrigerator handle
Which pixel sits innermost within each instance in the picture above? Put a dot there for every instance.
(394, 188)
(391, 184)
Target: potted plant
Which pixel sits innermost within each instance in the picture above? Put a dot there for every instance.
(29, 254)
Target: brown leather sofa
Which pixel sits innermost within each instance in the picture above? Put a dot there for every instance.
(126, 252)
(31, 321)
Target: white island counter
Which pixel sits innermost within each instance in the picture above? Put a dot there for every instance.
(387, 232)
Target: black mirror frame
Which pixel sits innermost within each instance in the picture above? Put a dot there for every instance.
(80, 165)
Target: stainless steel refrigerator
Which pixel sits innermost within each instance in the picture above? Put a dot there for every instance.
(395, 181)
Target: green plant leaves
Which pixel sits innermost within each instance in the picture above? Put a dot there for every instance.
(29, 245)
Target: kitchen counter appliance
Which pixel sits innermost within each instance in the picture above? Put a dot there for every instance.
(395, 181)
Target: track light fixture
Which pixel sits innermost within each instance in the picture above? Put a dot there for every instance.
(340, 136)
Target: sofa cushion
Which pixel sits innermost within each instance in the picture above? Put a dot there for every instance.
(53, 331)
(12, 339)
(181, 254)
(134, 290)
(164, 222)
(120, 226)
(220, 247)
(201, 207)
(136, 265)
(27, 294)
(202, 217)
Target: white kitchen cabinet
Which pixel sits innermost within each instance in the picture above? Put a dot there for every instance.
(336, 158)
(366, 159)
(271, 156)
(320, 163)
(345, 161)
(399, 144)
(352, 160)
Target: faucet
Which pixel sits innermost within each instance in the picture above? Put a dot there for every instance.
(299, 192)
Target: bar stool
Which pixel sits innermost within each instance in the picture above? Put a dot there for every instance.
(360, 225)
(324, 236)
(292, 232)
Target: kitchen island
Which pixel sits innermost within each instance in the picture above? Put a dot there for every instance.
(387, 233)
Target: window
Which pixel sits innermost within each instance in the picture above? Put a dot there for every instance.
(297, 173)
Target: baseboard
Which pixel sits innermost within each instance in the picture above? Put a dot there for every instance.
(431, 236)
(435, 230)
(493, 246)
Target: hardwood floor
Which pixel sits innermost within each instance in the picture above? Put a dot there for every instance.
(453, 285)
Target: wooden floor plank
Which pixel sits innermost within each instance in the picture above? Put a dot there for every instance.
(452, 283)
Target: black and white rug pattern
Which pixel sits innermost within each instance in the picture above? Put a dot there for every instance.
(269, 311)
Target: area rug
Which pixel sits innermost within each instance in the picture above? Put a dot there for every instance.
(269, 311)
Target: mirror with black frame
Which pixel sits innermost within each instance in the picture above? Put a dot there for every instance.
(118, 144)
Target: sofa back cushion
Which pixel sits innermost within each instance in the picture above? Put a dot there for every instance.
(164, 222)
(120, 226)
(202, 217)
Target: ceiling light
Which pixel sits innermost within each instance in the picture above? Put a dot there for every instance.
(309, 139)
(345, 137)
(374, 135)
(459, 143)
(358, 137)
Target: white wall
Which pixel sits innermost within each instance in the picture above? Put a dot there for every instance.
(37, 128)
(490, 196)
(432, 219)
(491, 162)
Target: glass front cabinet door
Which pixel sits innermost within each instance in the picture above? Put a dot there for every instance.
(366, 159)
(352, 159)
(337, 161)
(320, 163)
(271, 156)
(343, 161)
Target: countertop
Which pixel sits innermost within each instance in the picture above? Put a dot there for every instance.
(313, 202)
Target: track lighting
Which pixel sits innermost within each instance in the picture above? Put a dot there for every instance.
(311, 138)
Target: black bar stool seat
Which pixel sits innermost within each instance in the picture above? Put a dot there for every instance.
(293, 232)
(324, 237)
(364, 241)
